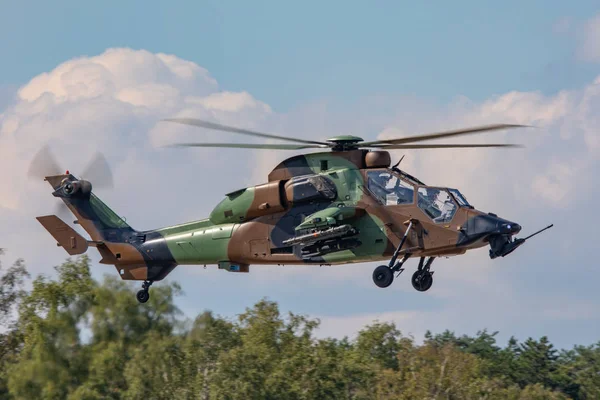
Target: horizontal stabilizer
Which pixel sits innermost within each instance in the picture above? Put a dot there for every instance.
(65, 236)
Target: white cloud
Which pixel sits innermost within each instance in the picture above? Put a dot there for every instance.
(590, 40)
(118, 69)
(113, 103)
(556, 184)
(232, 102)
(560, 150)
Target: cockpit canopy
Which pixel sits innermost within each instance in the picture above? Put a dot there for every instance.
(460, 199)
(390, 188)
(437, 204)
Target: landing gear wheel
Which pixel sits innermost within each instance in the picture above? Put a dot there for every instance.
(142, 296)
(422, 280)
(383, 276)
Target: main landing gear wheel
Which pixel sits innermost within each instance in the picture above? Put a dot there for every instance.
(144, 295)
(383, 276)
(422, 280)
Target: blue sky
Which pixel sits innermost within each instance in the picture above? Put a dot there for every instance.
(314, 70)
(287, 54)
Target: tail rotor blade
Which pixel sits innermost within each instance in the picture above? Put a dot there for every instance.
(98, 172)
(43, 164)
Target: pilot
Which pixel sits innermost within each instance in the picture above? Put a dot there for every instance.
(405, 195)
(447, 212)
(379, 183)
(383, 179)
(427, 202)
(432, 196)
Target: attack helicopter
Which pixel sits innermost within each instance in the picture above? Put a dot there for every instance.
(348, 204)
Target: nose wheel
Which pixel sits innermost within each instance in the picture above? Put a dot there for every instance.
(144, 295)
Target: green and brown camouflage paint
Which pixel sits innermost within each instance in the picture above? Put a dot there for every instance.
(250, 225)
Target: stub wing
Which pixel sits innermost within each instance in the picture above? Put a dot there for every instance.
(65, 236)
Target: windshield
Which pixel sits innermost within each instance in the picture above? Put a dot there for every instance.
(437, 204)
(390, 189)
(462, 200)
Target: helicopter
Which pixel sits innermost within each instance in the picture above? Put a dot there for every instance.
(347, 204)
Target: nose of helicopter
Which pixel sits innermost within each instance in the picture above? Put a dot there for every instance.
(511, 228)
(480, 226)
(501, 239)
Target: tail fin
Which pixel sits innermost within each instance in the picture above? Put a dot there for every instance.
(98, 220)
(65, 236)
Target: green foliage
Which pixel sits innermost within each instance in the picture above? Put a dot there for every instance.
(11, 340)
(75, 338)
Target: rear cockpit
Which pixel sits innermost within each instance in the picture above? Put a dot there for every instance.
(389, 188)
(392, 187)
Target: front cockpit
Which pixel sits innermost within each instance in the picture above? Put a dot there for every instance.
(437, 204)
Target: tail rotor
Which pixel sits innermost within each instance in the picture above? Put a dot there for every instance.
(97, 171)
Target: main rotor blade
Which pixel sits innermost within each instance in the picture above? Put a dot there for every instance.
(445, 134)
(219, 127)
(443, 146)
(44, 164)
(251, 146)
(98, 172)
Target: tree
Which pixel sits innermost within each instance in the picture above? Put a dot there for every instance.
(379, 343)
(75, 338)
(11, 293)
(53, 361)
(580, 372)
(536, 363)
(126, 336)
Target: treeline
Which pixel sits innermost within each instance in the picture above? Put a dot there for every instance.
(75, 338)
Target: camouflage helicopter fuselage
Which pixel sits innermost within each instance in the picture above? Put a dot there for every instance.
(320, 208)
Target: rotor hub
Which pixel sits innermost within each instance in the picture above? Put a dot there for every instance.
(344, 142)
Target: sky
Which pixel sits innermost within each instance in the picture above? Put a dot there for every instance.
(99, 77)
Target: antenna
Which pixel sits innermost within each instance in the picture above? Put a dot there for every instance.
(398, 163)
